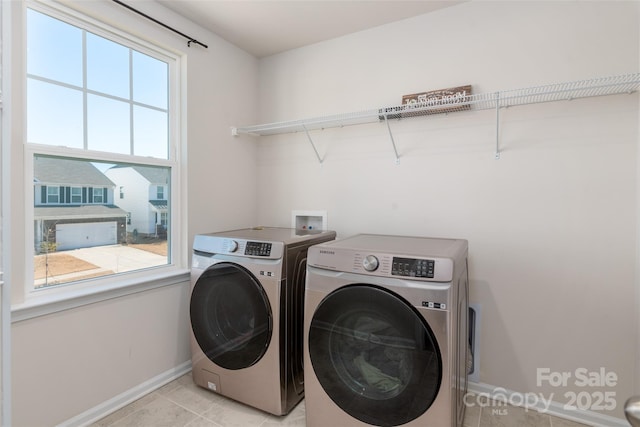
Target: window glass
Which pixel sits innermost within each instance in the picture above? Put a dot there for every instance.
(49, 40)
(54, 115)
(108, 123)
(122, 107)
(103, 235)
(97, 195)
(107, 67)
(52, 194)
(150, 132)
(90, 142)
(76, 195)
(150, 78)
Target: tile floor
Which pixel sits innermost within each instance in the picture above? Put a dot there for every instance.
(182, 403)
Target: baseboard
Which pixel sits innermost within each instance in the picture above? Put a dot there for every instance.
(123, 399)
(493, 392)
(552, 408)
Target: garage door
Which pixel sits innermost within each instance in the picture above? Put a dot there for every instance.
(86, 235)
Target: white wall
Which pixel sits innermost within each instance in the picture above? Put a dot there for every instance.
(552, 226)
(67, 363)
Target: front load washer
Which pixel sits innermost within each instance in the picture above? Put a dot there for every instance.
(386, 331)
(247, 300)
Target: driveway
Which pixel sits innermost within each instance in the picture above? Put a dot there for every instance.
(118, 258)
(107, 259)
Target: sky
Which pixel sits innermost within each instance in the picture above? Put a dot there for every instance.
(124, 92)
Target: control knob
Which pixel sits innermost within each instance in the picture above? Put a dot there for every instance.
(233, 246)
(370, 263)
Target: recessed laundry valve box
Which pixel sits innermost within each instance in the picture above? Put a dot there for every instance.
(309, 220)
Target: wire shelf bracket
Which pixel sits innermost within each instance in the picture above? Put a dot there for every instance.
(393, 142)
(497, 153)
(315, 150)
(602, 86)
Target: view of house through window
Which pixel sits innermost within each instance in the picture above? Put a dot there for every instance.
(86, 230)
(91, 97)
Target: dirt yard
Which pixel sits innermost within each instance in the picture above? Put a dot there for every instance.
(60, 263)
(158, 247)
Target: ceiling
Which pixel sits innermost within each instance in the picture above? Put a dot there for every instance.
(267, 27)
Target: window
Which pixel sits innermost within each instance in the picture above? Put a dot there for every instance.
(98, 195)
(121, 106)
(76, 195)
(53, 194)
(98, 115)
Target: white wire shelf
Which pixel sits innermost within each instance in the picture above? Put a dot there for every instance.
(612, 85)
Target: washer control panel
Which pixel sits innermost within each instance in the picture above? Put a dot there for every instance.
(411, 267)
(258, 249)
(237, 247)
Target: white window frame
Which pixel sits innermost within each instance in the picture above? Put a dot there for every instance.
(75, 198)
(39, 302)
(97, 196)
(5, 288)
(53, 192)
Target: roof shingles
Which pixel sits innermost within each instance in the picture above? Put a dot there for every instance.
(68, 172)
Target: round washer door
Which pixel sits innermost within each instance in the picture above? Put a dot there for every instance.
(231, 317)
(374, 355)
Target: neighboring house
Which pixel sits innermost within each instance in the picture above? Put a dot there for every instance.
(74, 206)
(142, 191)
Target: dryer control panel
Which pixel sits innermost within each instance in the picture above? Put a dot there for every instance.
(381, 264)
(400, 257)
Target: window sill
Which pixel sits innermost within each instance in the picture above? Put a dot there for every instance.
(45, 304)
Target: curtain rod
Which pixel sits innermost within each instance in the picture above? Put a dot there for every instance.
(191, 39)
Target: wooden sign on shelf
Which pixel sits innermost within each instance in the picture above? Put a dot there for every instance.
(432, 102)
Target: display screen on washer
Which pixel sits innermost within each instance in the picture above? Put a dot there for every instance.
(413, 267)
(258, 249)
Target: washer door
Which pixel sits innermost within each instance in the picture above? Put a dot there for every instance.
(374, 355)
(230, 316)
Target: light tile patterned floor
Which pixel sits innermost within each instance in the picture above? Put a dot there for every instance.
(182, 403)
